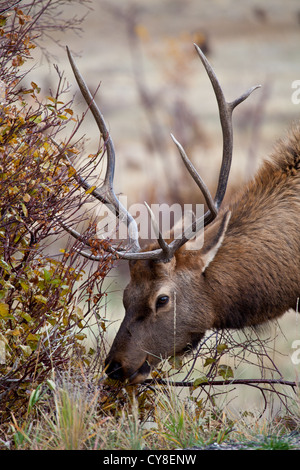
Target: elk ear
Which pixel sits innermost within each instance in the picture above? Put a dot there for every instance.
(213, 239)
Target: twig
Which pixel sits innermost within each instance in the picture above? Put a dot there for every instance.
(222, 382)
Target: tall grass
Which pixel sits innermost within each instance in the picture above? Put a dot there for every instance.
(72, 413)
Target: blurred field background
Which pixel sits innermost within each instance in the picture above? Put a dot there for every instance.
(152, 84)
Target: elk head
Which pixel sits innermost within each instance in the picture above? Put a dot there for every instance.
(167, 286)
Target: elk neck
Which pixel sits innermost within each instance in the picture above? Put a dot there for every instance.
(246, 282)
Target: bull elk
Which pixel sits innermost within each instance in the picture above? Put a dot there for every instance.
(246, 273)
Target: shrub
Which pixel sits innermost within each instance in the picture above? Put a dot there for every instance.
(42, 284)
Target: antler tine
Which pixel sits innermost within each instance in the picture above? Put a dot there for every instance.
(197, 178)
(106, 193)
(162, 243)
(225, 112)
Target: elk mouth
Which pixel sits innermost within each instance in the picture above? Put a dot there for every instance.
(140, 374)
(116, 371)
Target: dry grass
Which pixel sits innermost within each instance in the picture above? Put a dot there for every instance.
(69, 413)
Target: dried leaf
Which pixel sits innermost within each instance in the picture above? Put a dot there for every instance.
(4, 310)
(90, 190)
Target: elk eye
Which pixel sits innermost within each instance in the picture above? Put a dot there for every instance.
(161, 301)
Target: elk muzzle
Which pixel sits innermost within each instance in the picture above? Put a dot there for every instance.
(116, 371)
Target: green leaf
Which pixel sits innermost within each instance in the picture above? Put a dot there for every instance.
(24, 286)
(35, 397)
(5, 266)
(200, 380)
(2, 20)
(221, 347)
(47, 275)
(56, 282)
(36, 119)
(24, 209)
(209, 361)
(33, 337)
(51, 384)
(225, 371)
(40, 298)
(26, 317)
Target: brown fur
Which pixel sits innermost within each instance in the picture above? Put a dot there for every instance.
(246, 273)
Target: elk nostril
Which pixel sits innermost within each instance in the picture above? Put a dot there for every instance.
(115, 371)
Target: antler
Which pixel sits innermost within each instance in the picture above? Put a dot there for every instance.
(106, 193)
